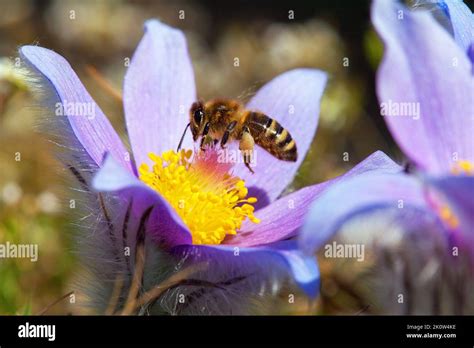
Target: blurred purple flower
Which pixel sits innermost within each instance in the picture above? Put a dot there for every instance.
(425, 67)
(158, 91)
(455, 17)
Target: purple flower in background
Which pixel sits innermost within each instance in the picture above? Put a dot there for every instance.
(193, 208)
(455, 17)
(425, 86)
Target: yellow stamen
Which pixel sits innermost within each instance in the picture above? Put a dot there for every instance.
(447, 215)
(463, 168)
(211, 202)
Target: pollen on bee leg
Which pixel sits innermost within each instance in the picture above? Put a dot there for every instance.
(216, 202)
(246, 146)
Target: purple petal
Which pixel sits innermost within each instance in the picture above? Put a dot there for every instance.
(256, 266)
(293, 100)
(164, 224)
(158, 92)
(282, 218)
(470, 54)
(458, 191)
(434, 75)
(462, 21)
(89, 124)
(361, 194)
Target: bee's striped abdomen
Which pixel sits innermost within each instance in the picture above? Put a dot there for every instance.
(271, 136)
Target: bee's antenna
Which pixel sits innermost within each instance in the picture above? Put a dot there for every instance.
(182, 137)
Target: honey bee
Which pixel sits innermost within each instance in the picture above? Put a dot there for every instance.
(227, 120)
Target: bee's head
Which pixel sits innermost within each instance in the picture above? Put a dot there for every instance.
(197, 119)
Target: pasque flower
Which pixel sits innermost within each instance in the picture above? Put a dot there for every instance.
(426, 65)
(191, 206)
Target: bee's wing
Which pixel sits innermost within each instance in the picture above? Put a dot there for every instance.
(249, 92)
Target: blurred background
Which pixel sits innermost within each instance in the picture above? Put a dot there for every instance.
(98, 37)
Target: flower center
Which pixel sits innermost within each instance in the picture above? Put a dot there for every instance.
(212, 202)
(463, 168)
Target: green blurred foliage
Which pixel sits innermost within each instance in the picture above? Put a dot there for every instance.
(26, 286)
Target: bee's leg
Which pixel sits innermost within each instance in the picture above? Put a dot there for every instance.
(227, 133)
(246, 146)
(206, 138)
